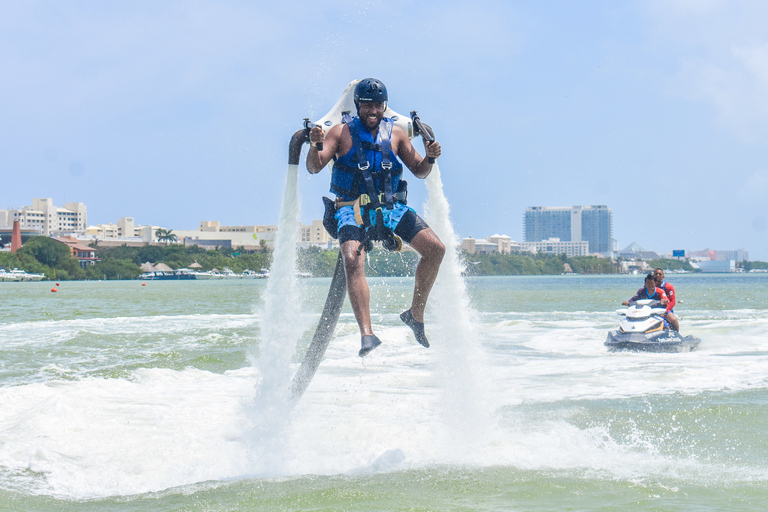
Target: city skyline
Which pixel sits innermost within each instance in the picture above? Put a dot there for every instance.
(656, 108)
(593, 224)
(557, 226)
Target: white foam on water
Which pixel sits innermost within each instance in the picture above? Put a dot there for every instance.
(101, 437)
(158, 428)
(54, 332)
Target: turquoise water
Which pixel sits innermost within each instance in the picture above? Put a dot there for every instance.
(118, 396)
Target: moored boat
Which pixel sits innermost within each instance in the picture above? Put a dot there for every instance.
(250, 274)
(17, 275)
(164, 275)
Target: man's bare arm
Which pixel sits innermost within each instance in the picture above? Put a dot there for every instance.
(317, 160)
(419, 166)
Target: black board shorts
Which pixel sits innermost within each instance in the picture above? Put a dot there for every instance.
(407, 228)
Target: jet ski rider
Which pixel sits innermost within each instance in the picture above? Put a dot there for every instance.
(669, 314)
(649, 291)
(367, 152)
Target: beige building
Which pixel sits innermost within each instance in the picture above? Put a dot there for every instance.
(125, 230)
(557, 246)
(503, 244)
(72, 219)
(49, 219)
(209, 234)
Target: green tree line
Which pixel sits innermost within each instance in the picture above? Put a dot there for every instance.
(44, 255)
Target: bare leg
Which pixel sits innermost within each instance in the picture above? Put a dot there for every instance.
(357, 285)
(672, 321)
(432, 250)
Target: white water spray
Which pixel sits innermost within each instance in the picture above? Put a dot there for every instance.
(456, 330)
(279, 335)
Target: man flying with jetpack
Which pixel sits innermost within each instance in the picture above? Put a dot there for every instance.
(367, 151)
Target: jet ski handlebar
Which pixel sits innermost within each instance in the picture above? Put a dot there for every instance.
(422, 129)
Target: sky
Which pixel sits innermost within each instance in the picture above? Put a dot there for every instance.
(177, 112)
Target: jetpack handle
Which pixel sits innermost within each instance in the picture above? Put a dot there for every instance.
(308, 125)
(422, 129)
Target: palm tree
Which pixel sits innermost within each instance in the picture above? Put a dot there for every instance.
(166, 235)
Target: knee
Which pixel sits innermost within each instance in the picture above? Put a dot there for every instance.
(352, 260)
(436, 251)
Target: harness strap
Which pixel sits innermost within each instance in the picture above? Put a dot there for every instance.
(356, 204)
(364, 203)
(362, 158)
(363, 165)
(385, 129)
(365, 200)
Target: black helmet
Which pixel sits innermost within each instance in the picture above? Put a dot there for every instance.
(370, 90)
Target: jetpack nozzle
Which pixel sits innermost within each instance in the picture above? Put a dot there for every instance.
(422, 129)
(308, 125)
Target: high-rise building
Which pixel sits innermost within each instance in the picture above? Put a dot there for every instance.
(593, 224)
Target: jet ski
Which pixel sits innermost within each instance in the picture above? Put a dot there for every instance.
(644, 329)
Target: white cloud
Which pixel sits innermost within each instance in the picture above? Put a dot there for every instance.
(722, 53)
(736, 86)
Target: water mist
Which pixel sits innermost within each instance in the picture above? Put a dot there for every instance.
(279, 335)
(456, 336)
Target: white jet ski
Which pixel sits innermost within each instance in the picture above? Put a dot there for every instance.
(644, 328)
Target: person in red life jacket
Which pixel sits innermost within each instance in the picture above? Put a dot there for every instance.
(669, 315)
(369, 151)
(649, 291)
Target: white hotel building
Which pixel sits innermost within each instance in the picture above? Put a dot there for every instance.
(503, 244)
(47, 218)
(72, 220)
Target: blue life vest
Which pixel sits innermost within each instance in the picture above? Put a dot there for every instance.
(367, 158)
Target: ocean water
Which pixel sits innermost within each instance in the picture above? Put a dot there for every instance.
(116, 396)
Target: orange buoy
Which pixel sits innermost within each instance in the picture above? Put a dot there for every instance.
(143, 284)
(54, 290)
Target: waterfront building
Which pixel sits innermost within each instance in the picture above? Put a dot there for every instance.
(250, 237)
(84, 254)
(715, 266)
(592, 224)
(44, 218)
(502, 244)
(6, 235)
(635, 252)
(557, 246)
(713, 255)
(125, 231)
(479, 246)
(48, 219)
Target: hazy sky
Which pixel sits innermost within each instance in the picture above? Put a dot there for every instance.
(175, 112)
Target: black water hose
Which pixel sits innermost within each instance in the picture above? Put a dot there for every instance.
(294, 148)
(333, 302)
(424, 130)
(323, 333)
